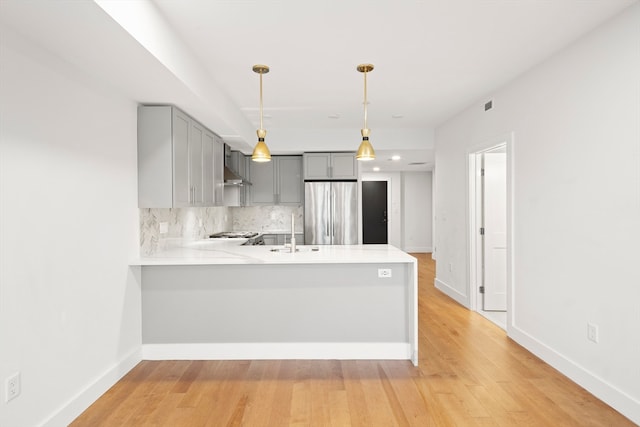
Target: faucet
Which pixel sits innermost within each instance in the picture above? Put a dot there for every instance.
(293, 230)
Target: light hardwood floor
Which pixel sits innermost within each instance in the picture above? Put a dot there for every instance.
(470, 374)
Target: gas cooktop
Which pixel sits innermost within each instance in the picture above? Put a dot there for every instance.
(234, 235)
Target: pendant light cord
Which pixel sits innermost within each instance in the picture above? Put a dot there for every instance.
(261, 100)
(365, 100)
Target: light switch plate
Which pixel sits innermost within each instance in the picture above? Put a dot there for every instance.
(592, 332)
(12, 387)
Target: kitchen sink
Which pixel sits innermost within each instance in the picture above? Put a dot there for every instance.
(299, 248)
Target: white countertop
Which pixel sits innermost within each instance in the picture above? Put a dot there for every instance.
(216, 252)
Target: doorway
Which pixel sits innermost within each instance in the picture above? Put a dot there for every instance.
(374, 212)
(488, 232)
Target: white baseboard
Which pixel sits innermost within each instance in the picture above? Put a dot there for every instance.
(612, 396)
(458, 296)
(72, 409)
(269, 351)
(419, 249)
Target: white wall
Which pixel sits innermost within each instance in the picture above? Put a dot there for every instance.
(417, 212)
(576, 220)
(69, 303)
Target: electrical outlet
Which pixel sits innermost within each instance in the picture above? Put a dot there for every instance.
(450, 267)
(12, 387)
(592, 332)
(384, 272)
(164, 227)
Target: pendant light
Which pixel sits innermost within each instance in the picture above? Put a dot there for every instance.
(365, 152)
(261, 151)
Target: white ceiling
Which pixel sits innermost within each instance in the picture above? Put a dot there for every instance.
(432, 59)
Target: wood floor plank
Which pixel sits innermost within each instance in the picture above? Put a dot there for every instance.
(220, 408)
(261, 387)
(281, 399)
(160, 386)
(470, 374)
(378, 405)
(401, 378)
(583, 407)
(338, 408)
(358, 411)
(116, 396)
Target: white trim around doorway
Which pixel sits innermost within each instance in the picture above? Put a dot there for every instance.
(473, 273)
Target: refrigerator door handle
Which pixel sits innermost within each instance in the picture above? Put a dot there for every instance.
(327, 232)
(333, 216)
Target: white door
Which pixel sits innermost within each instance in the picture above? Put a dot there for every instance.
(495, 231)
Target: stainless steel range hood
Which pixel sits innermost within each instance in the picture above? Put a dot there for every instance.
(230, 176)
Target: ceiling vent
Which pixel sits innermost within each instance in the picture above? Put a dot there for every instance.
(488, 106)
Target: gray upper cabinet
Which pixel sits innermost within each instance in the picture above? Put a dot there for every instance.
(196, 137)
(330, 166)
(212, 170)
(168, 131)
(208, 169)
(218, 171)
(278, 182)
(290, 186)
(177, 162)
(263, 187)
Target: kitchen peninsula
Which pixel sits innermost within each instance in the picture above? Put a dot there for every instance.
(214, 300)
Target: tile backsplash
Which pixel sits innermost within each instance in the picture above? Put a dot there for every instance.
(267, 219)
(181, 223)
(196, 223)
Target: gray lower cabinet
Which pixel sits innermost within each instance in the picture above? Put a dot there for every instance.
(281, 239)
(336, 166)
(179, 160)
(270, 239)
(278, 182)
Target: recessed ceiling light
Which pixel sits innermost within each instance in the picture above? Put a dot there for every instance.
(334, 116)
(376, 169)
(397, 116)
(395, 157)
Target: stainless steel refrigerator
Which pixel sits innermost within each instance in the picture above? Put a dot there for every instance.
(330, 213)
